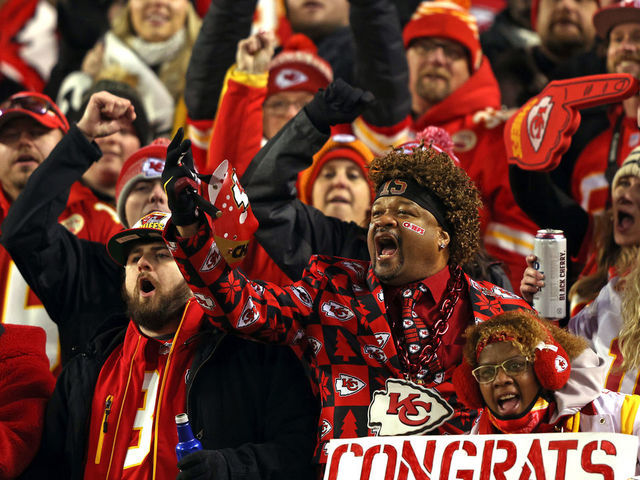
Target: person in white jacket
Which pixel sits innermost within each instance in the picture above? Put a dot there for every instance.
(529, 376)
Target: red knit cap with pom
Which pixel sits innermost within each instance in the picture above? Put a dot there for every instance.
(298, 68)
(446, 19)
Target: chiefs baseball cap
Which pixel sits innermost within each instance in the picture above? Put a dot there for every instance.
(35, 105)
(149, 228)
(146, 163)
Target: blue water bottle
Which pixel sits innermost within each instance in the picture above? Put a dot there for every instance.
(187, 443)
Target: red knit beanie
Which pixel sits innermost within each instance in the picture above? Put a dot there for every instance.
(146, 163)
(298, 68)
(339, 146)
(446, 19)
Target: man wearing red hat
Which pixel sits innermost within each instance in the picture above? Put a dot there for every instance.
(31, 125)
(619, 25)
(260, 95)
(452, 87)
(71, 274)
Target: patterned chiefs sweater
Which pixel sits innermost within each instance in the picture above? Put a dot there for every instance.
(335, 319)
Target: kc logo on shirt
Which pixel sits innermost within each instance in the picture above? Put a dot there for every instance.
(335, 310)
(405, 408)
(347, 385)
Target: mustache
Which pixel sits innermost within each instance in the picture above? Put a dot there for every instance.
(627, 56)
(436, 72)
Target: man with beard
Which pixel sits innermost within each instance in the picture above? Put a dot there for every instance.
(370, 332)
(452, 87)
(31, 125)
(112, 413)
(619, 25)
(566, 49)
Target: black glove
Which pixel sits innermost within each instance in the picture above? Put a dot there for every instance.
(202, 465)
(339, 103)
(180, 181)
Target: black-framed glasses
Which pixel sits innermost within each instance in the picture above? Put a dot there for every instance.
(31, 103)
(512, 367)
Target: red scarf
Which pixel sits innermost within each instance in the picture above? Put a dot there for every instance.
(534, 420)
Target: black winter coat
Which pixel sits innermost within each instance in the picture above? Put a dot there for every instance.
(250, 402)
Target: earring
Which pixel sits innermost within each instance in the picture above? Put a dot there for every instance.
(441, 246)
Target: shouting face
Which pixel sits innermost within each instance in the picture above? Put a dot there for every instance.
(515, 385)
(405, 241)
(154, 289)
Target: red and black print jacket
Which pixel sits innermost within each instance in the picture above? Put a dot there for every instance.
(335, 319)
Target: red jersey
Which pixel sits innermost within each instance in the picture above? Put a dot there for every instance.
(85, 216)
(588, 183)
(140, 390)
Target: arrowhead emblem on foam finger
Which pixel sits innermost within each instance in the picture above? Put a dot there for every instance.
(540, 132)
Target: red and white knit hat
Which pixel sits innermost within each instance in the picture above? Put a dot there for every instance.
(446, 19)
(340, 146)
(146, 163)
(298, 68)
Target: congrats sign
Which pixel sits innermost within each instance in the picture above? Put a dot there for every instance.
(549, 456)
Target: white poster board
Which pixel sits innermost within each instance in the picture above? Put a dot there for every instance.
(550, 456)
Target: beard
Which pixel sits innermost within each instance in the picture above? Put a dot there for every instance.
(564, 45)
(156, 313)
(433, 91)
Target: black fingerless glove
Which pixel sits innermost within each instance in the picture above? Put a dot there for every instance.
(339, 103)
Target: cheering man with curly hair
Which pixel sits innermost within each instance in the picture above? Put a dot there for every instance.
(380, 338)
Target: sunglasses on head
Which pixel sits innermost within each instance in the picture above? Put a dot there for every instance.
(33, 104)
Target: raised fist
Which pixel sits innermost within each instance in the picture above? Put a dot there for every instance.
(338, 103)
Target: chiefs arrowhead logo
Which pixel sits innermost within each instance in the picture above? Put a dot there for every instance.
(316, 345)
(258, 288)
(153, 167)
(537, 121)
(74, 223)
(325, 428)
(297, 337)
(382, 338)
(336, 310)
(249, 315)
(347, 385)
(288, 77)
(404, 408)
(212, 260)
(561, 364)
(375, 353)
(303, 296)
(204, 301)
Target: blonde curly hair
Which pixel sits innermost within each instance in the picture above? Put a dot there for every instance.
(436, 171)
(526, 330)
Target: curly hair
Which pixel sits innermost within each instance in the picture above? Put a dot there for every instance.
(527, 330)
(437, 172)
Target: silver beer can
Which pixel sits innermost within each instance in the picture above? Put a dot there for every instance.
(550, 246)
